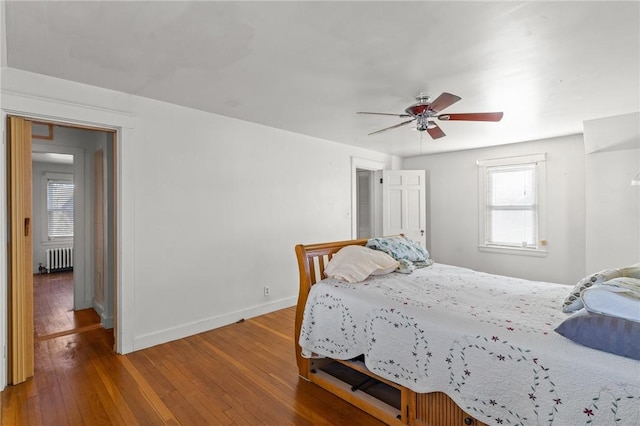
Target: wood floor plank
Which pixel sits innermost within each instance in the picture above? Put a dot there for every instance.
(202, 379)
(192, 387)
(115, 400)
(126, 384)
(166, 415)
(11, 404)
(56, 403)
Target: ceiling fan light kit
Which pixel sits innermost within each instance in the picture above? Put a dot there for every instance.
(423, 111)
(423, 123)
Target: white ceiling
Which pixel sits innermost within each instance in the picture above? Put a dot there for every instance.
(307, 67)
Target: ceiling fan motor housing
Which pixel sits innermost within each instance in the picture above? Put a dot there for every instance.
(418, 109)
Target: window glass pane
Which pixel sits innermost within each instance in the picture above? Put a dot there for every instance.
(512, 227)
(60, 208)
(511, 186)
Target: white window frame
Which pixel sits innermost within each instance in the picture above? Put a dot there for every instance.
(46, 177)
(539, 248)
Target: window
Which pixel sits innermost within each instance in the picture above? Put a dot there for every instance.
(512, 204)
(59, 208)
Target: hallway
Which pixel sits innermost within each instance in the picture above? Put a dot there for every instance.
(53, 314)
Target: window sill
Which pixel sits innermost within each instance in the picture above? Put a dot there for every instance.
(519, 251)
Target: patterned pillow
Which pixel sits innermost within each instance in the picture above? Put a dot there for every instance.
(573, 302)
(406, 266)
(606, 333)
(399, 248)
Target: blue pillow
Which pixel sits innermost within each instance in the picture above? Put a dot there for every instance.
(603, 332)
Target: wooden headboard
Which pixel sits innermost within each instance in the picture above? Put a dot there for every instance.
(312, 259)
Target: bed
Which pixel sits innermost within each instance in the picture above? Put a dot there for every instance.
(449, 346)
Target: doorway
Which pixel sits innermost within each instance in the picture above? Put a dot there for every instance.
(365, 201)
(366, 198)
(93, 236)
(394, 202)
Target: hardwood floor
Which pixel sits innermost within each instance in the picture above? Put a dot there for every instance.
(53, 312)
(241, 374)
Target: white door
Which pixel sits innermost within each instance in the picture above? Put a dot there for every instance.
(404, 204)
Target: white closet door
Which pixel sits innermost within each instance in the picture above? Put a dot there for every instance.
(404, 204)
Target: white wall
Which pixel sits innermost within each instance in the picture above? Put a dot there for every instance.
(612, 204)
(210, 208)
(220, 205)
(452, 210)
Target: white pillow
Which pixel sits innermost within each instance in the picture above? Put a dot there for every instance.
(355, 263)
(619, 297)
(573, 302)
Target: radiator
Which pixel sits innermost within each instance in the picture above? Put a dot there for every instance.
(59, 259)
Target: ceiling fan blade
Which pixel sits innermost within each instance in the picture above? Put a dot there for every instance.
(384, 113)
(434, 131)
(443, 101)
(473, 116)
(392, 127)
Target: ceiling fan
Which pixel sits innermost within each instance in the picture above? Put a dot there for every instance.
(423, 112)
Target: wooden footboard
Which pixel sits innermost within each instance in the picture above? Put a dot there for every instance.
(390, 402)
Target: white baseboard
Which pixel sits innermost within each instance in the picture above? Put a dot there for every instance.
(105, 321)
(97, 307)
(85, 304)
(186, 330)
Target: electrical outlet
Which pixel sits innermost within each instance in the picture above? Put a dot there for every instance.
(267, 290)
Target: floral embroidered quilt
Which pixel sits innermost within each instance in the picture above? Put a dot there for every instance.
(485, 340)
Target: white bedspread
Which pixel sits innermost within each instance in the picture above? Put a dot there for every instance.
(485, 340)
